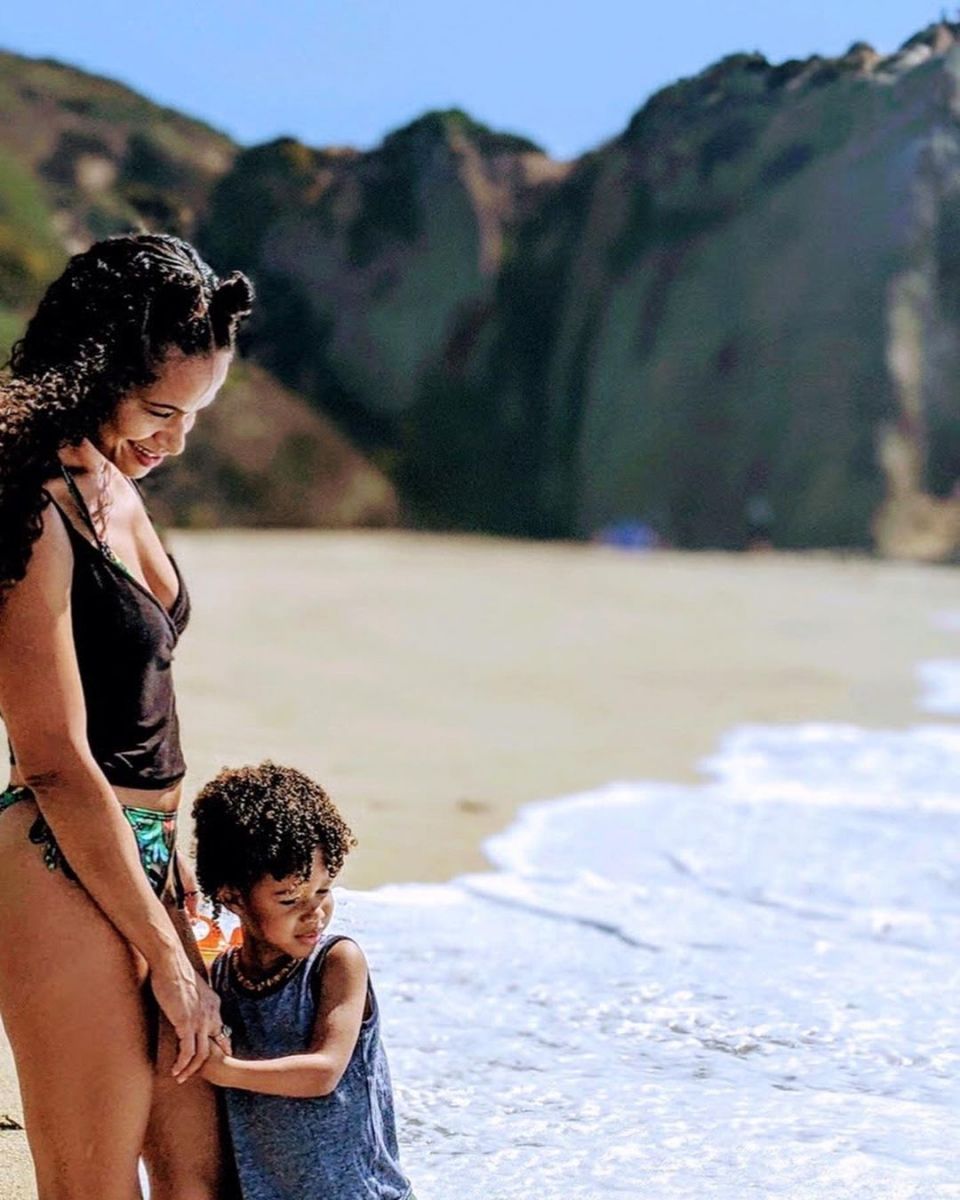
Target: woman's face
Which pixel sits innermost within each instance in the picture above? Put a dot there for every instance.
(154, 421)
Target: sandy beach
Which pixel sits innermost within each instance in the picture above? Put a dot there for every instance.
(436, 684)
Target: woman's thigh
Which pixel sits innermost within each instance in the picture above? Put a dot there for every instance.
(183, 1149)
(72, 1001)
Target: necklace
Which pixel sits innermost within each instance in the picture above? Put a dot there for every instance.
(261, 985)
(82, 508)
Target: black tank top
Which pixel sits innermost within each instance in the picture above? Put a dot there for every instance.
(125, 641)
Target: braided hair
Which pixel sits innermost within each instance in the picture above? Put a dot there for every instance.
(102, 329)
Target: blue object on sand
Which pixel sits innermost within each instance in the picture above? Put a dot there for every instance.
(629, 535)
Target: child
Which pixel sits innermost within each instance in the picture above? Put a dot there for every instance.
(308, 1096)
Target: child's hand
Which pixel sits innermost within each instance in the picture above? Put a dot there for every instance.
(214, 1070)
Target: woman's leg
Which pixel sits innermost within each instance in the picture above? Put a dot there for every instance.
(183, 1150)
(71, 997)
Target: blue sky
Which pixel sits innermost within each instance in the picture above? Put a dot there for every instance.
(345, 72)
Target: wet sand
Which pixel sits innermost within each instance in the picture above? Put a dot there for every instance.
(435, 684)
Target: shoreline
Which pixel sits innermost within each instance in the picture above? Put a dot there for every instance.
(435, 685)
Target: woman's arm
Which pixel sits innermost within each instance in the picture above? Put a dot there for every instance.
(41, 698)
(191, 889)
(336, 1029)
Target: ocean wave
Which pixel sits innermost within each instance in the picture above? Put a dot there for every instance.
(743, 987)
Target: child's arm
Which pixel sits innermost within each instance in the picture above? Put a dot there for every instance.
(336, 1029)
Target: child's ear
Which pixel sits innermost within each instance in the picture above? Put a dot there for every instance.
(231, 899)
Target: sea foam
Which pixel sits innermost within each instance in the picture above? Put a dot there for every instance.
(748, 987)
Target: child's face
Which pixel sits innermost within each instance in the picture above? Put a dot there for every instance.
(289, 915)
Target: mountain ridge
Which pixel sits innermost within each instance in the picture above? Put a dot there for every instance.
(705, 311)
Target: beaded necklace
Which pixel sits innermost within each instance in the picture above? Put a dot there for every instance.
(260, 985)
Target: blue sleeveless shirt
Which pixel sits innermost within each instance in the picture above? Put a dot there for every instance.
(337, 1147)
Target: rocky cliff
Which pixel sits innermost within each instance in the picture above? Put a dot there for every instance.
(743, 302)
(379, 258)
(82, 158)
(746, 303)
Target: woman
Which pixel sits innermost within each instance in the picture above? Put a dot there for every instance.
(106, 1011)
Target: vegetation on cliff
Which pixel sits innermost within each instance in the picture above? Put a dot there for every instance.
(747, 302)
(81, 158)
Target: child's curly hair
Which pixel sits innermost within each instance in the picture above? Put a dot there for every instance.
(268, 820)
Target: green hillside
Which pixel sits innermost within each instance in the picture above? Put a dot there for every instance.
(82, 158)
(747, 302)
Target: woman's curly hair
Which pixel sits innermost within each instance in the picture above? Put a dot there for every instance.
(102, 329)
(252, 822)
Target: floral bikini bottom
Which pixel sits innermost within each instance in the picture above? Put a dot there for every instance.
(156, 834)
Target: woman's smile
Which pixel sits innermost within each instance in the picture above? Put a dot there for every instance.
(145, 457)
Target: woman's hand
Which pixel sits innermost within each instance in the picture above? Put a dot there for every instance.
(192, 1008)
(188, 878)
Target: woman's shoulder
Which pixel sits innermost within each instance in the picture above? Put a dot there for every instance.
(54, 543)
(56, 488)
(59, 511)
(39, 599)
